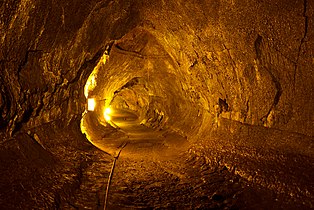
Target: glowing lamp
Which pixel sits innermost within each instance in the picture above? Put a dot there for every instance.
(107, 113)
(91, 103)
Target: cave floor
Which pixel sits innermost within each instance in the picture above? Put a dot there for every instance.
(54, 167)
(140, 141)
(177, 177)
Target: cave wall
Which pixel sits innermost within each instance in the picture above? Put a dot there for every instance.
(257, 57)
(48, 49)
(246, 61)
(227, 65)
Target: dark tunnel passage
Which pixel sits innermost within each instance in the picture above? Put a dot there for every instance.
(194, 104)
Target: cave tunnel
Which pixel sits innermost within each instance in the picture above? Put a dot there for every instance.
(132, 104)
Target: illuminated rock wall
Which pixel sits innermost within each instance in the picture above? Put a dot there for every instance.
(218, 73)
(249, 62)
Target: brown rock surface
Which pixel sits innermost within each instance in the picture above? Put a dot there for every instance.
(231, 79)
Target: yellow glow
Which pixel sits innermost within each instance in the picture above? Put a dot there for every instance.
(91, 81)
(104, 58)
(84, 129)
(91, 103)
(107, 117)
(107, 113)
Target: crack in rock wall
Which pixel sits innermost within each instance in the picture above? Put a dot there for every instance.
(254, 56)
(48, 49)
(245, 55)
(208, 70)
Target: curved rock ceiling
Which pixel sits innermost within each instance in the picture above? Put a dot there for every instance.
(225, 86)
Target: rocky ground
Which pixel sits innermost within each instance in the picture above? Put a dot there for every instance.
(70, 173)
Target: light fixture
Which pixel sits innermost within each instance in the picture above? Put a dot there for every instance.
(107, 113)
(91, 103)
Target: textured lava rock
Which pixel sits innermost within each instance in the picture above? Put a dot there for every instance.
(257, 57)
(211, 71)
